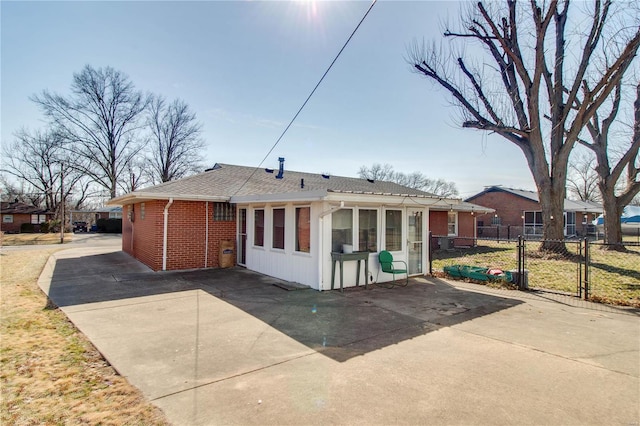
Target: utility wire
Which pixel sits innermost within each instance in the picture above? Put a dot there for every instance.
(308, 97)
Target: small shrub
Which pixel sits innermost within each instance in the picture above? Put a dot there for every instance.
(27, 228)
(110, 226)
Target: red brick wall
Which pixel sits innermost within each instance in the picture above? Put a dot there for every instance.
(187, 246)
(438, 226)
(508, 207)
(438, 223)
(18, 219)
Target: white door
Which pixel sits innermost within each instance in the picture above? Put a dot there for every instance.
(414, 241)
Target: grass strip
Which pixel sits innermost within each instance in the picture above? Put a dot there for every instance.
(50, 373)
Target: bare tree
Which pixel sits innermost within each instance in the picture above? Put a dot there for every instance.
(582, 179)
(39, 160)
(527, 80)
(610, 173)
(19, 191)
(377, 172)
(414, 180)
(176, 145)
(101, 118)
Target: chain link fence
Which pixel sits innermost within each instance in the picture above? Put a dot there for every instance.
(582, 268)
(613, 276)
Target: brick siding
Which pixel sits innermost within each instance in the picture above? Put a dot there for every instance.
(187, 246)
(510, 208)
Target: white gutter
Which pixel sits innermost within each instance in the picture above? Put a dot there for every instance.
(280, 197)
(142, 196)
(206, 233)
(164, 236)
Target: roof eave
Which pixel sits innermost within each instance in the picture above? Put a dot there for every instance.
(139, 197)
(304, 196)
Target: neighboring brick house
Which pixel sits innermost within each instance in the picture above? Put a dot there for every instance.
(284, 223)
(518, 212)
(15, 214)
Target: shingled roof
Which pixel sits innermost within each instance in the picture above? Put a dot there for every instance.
(569, 205)
(21, 208)
(224, 181)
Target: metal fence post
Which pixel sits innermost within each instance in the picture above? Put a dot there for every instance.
(520, 263)
(580, 265)
(586, 269)
(430, 252)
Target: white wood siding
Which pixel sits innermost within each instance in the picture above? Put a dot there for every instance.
(287, 264)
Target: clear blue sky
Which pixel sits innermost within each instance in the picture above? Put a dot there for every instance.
(246, 67)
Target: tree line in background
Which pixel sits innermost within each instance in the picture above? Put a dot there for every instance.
(415, 180)
(550, 77)
(103, 138)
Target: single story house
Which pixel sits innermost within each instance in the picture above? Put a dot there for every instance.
(15, 214)
(285, 224)
(521, 210)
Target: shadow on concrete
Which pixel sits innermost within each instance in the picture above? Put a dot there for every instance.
(338, 325)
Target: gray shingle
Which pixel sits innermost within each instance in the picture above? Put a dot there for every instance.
(230, 180)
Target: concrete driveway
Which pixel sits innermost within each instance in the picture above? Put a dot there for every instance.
(235, 347)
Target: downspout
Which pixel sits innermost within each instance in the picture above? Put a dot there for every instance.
(206, 233)
(164, 236)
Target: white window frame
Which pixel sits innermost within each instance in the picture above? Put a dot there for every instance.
(273, 228)
(455, 224)
(402, 228)
(537, 227)
(377, 228)
(7, 218)
(296, 229)
(38, 218)
(353, 224)
(255, 227)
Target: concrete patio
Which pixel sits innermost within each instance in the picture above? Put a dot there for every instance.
(235, 347)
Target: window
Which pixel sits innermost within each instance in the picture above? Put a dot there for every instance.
(533, 223)
(368, 230)
(258, 235)
(341, 229)
(393, 230)
(570, 223)
(303, 229)
(224, 212)
(115, 215)
(142, 211)
(7, 218)
(452, 223)
(495, 220)
(278, 228)
(37, 219)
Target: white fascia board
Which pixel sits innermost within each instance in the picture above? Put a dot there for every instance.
(138, 197)
(389, 200)
(280, 198)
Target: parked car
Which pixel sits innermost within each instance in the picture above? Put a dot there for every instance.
(80, 227)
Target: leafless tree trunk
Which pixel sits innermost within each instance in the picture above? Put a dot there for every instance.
(101, 119)
(176, 145)
(610, 175)
(525, 86)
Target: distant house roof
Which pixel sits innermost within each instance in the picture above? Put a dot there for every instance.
(569, 205)
(238, 184)
(21, 208)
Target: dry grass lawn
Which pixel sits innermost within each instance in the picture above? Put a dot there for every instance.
(30, 239)
(50, 373)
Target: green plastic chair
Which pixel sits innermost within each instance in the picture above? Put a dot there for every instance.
(387, 266)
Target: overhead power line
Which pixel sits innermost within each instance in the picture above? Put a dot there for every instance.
(308, 97)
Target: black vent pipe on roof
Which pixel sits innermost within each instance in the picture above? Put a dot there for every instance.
(280, 174)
